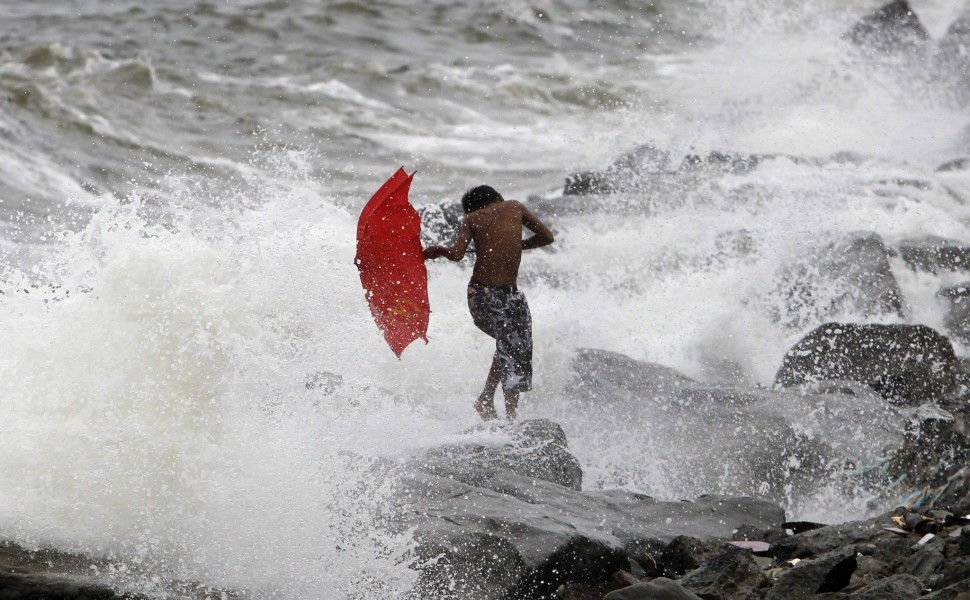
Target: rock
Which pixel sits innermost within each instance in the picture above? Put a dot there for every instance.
(625, 174)
(933, 253)
(957, 569)
(761, 433)
(660, 588)
(850, 275)
(14, 586)
(54, 575)
(489, 528)
(685, 554)
(896, 587)
(731, 574)
(924, 564)
(893, 27)
(826, 539)
(957, 164)
(809, 577)
(957, 591)
(907, 364)
(537, 449)
(957, 318)
(956, 40)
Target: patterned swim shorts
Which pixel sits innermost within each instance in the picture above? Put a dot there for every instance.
(503, 313)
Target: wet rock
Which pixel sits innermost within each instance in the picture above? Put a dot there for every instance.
(956, 570)
(907, 364)
(15, 586)
(762, 431)
(956, 40)
(685, 554)
(933, 253)
(490, 529)
(728, 576)
(957, 591)
(849, 275)
(957, 318)
(924, 564)
(625, 174)
(537, 449)
(826, 539)
(893, 27)
(660, 588)
(829, 573)
(896, 587)
(957, 164)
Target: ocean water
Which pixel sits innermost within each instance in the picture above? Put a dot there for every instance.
(179, 188)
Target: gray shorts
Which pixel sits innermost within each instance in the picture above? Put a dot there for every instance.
(503, 313)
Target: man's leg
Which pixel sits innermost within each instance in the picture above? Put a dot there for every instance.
(511, 404)
(486, 401)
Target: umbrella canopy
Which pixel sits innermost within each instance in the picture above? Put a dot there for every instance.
(391, 263)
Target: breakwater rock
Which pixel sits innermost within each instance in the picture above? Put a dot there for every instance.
(495, 521)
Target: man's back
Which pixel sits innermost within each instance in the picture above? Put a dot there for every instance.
(497, 233)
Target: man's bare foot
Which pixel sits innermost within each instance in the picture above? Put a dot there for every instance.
(485, 408)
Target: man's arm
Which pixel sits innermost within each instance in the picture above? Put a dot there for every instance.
(542, 237)
(455, 252)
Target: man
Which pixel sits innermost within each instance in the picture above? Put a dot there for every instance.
(497, 306)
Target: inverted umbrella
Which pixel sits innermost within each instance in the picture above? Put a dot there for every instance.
(391, 263)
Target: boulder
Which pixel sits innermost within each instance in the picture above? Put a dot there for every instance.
(685, 553)
(625, 174)
(660, 588)
(957, 318)
(956, 40)
(821, 541)
(780, 443)
(730, 575)
(907, 364)
(536, 449)
(893, 27)
(933, 254)
(956, 164)
(829, 573)
(489, 528)
(849, 275)
(896, 587)
(53, 575)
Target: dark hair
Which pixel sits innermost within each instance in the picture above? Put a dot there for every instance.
(479, 197)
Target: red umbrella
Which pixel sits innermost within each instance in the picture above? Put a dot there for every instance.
(391, 263)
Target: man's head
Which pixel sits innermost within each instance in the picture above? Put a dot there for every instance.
(479, 197)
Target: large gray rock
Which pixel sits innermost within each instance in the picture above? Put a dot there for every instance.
(53, 575)
(896, 587)
(728, 576)
(489, 529)
(778, 443)
(908, 364)
(957, 319)
(893, 27)
(933, 253)
(537, 449)
(660, 588)
(829, 573)
(849, 275)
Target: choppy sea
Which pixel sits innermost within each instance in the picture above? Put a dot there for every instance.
(179, 188)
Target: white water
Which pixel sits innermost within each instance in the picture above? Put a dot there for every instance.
(153, 406)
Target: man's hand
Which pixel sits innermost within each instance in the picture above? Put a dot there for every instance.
(433, 252)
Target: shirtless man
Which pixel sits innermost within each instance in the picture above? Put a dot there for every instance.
(497, 306)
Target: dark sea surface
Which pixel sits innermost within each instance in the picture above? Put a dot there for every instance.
(179, 188)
